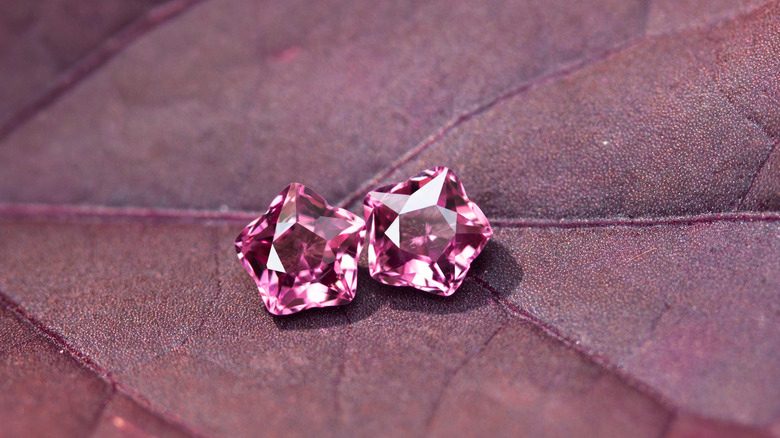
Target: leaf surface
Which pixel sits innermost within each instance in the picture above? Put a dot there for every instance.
(625, 152)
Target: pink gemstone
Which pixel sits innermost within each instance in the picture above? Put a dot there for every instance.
(424, 232)
(302, 253)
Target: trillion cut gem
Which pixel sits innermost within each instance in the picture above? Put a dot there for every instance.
(424, 232)
(302, 253)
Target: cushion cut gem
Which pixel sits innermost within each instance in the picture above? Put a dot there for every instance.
(302, 253)
(424, 232)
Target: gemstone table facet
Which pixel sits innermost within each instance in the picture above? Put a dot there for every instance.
(302, 253)
(424, 232)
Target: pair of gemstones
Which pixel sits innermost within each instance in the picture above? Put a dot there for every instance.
(423, 233)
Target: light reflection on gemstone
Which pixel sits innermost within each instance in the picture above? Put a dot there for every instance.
(424, 232)
(302, 253)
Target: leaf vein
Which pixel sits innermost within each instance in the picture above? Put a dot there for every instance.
(90, 365)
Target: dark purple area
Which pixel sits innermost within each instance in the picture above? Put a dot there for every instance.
(625, 152)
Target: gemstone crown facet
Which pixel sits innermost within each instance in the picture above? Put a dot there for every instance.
(424, 232)
(302, 253)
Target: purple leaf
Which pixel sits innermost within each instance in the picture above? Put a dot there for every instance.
(624, 151)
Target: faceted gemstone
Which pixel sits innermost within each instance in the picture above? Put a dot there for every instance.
(302, 253)
(424, 232)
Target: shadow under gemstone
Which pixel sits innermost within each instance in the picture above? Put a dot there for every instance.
(495, 261)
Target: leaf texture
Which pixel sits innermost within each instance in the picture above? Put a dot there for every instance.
(625, 152)
(46, 45)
